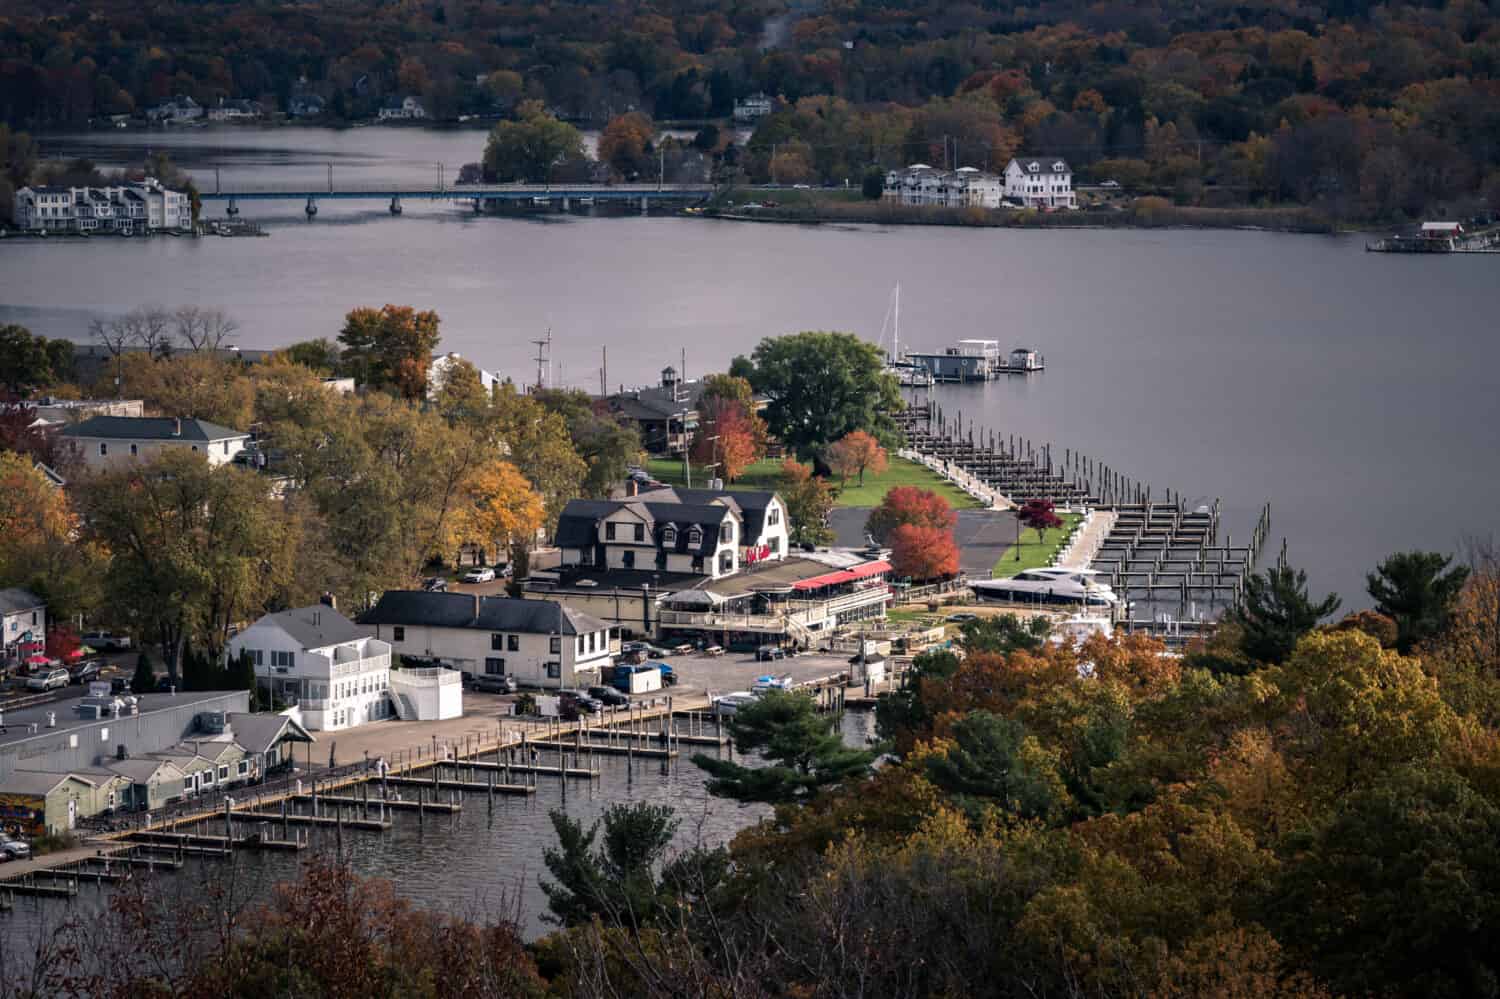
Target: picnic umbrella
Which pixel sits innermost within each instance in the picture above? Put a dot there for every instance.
(80, 652)
(37, 659)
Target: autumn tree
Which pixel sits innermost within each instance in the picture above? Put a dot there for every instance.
(390, 347)
(530, 146)
(606, 443)
(459, 394)
(321, 355)
(1417, 590)
(910, 505)
(626, 145)
(728, 437)
(40, 549)
(1040, 516)
(923, 553)
(809, 500)
(29, 362)
(503, 510)
(191, 386)
(855, 453)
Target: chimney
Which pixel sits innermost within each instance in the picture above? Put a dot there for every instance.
(176, 426)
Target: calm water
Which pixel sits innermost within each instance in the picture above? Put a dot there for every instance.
(482, 860)
(1356, 392)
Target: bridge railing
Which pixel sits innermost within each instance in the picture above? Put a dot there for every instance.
(459, 190)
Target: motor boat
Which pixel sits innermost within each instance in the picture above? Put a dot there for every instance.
(1076, 629)
(729, 704)
(1048, 586)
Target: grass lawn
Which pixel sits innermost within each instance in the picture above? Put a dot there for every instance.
(1035, 554)
(765, 474)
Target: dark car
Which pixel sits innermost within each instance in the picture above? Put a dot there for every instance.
(608, 696)
(119, 685)
(484, 683)
(84, 672)
(579, 702)
(767, 653)
(435, 584)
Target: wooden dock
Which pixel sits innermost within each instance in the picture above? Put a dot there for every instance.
(460, 785)
(608, 750)
(375, 804)
(189, 841)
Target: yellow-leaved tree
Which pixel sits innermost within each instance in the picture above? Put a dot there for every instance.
(503, 510)
(39, 544)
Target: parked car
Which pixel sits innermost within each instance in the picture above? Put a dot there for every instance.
(579, 702)
(51, 679)
(435, 584)
(768, 682)
(84, 672)
(656, 652)
(668, 675)
(682, 649)
(105, 641)
(712, 650)
(608, 696)
(483, 574)
(961, 618)
(767, 653)
(13, 849)
(485, 683)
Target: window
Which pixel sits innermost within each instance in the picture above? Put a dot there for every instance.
(133, 449)
(773, 517)
(695, 536)
(497, 643)
(103, 448)
(104, 734)
(579, 648)
(398, 634)
(726, 531)
(555, 646)
(244, 767)
(286, 659)
(640, 532)
(609, 532)
(554, 670)
(512, 643)
(494, 667)
(669, 535)
(774, 545)
(256, 656)
(224, 772)
(726, 561)
(627, 560)
(697, 563)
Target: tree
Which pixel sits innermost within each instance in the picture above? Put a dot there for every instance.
(617, 881)
(21, 434)
(729, 437)
(993, 759)
(39, 545)
(503, 509)
(805, 753)
(1276, 611)
(29, 362)
(872, 185)
(856, 452)
(909, 505)
(191, 386)
(1003, 634)
(608, 445)
(460, 393)
(202, 329)
(821, 386)
(1039, 515)
(144, 679)
(195, 548)
(809, 500)
(1417, 590)
(923, 553)
(626, 145)
(528, 148)
(321, 355)
(540, 447)
(390, 347)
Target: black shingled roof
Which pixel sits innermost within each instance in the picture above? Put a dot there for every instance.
(456, 610)
(151, 428)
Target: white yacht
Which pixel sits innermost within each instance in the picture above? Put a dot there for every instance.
(1048, 586)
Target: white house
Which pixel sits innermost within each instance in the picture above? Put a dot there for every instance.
(1040, 182)
(322, 662)
(539, 642)
(125, 208)
(104, 441)
(920, 184)
(437, 374)
(178, 109)
(406, 108)
(757, 105)
(23, 623)
(227, 110)
(704, 532)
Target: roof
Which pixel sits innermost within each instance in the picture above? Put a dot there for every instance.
(752, 503)
(18, 722)
(1441, 226)
(457, 610)
(843, 576)
(258, 733)
(36, 782)
(658, 402)
(1044, 164)
(578, 525)
(140, 769)
(151, 428)
(14, 600)
(316, 626)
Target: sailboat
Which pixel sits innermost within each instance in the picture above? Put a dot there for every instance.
(907, 373)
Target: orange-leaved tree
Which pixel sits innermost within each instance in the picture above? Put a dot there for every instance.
(729, 437)
(390, 347)
(856, 452)
(910, 505)
(923, 552)
(504, 508)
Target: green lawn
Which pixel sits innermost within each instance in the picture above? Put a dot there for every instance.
(765, 474)
(1035, 554)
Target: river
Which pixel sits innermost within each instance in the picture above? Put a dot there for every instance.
(1355, 392)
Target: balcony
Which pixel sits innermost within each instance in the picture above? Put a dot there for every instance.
(353, 667)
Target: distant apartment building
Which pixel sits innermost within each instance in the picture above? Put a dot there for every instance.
(1040, 182)
(127, 208)
(755, 106)
(920, 184)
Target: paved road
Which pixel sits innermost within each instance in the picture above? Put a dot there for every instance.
(982, 535)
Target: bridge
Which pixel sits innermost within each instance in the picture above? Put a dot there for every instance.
(564, 194)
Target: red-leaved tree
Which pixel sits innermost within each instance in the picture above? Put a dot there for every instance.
(1040, 515)
(728, 437)
(913, 506)
(856, 453)
(923, 553)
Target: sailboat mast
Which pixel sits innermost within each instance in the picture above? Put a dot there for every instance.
(896, 340)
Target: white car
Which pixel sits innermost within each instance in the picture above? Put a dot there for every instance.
(13, 849)
(52, 679)
(106, 641)
(481, 575)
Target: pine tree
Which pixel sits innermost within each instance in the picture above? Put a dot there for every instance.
(144, 680)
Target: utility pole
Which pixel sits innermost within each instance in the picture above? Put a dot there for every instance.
(603, 373)
(773, 163)
(543, 357)
(661, 168)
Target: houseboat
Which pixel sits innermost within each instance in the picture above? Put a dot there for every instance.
(978, 361)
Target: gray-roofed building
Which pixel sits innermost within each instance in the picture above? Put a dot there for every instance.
(316, 658)
(665, 415)
(539, 642)
(108, 440)
(37, 801)
(23, 623)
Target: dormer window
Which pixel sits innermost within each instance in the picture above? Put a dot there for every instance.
(669, 535)
(695, 535)
(1035, 167)
(1059, 167)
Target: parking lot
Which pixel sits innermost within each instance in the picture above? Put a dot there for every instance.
(700, 674)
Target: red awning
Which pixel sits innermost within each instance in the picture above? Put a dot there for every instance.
(843, 576)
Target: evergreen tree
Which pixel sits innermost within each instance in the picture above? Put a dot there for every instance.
(1276, 611)
(144, 680)
(616, 881)
(1417, 590)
